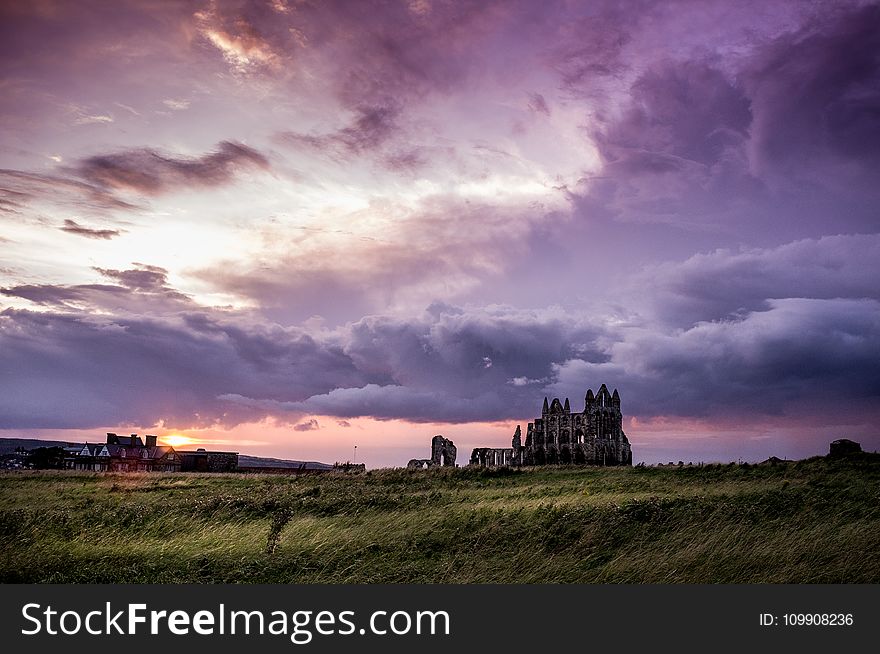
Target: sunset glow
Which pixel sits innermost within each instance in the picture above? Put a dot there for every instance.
(177, 440)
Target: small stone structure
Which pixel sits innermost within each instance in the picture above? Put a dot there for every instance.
(592, 437)
(443, 453)
(201, 460)
(843, 446)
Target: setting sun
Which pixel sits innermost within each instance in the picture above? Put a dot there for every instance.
(177, 440)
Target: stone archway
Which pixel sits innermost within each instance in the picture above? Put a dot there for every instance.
(443, 451)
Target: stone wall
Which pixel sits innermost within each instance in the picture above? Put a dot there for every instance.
(202, 461)
(492, 456)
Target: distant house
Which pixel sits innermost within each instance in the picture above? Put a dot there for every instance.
(123, 454)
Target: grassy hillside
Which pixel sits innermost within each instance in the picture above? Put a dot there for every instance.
(811, 521)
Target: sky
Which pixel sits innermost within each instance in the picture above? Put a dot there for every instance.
(299, 228)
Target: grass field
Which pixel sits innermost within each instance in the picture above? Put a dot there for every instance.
(814, 521)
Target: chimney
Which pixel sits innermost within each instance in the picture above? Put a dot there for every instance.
(151, 440)
(112, 438)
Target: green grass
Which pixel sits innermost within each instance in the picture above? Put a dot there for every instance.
(814, 521)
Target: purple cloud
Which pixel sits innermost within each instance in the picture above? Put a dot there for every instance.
(538, 104)
(723, 284)
(201, 367)
(815, 94)
(774, 141)
(371, 127)
(149, 172)
(73, 227)
(307, 425)
(103, 370)
(137, 290)
(790, 360)
(21, 188)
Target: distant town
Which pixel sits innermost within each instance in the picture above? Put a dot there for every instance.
(135, 454)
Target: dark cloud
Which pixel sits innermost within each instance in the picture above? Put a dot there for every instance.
(73, 227)
(803, 359)
(149, 172)
(773, 357)
(433, 367)
(406, 161)
(142, 278)
(79, 370)
(815, 93)
(780, 140)
(198, 367)
(22, 187)
(538, 104)
(93, 183)
(371, 127)
(589, 48)
(49, 294)
(387, 402)
(677, 153)
(141, 289)
(307, 425)
(722, 284)
(687, 110)
(757, 332)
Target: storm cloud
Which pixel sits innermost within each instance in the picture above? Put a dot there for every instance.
(778, 357)
(101, 370)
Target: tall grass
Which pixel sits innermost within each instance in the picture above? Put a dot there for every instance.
(815, 521)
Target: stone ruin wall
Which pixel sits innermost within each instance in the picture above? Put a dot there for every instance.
(443, 453)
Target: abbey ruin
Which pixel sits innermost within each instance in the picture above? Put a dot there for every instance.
(443, 453)
(592, 437)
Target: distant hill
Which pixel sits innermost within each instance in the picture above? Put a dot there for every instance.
(9, 445)
(247, 461)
